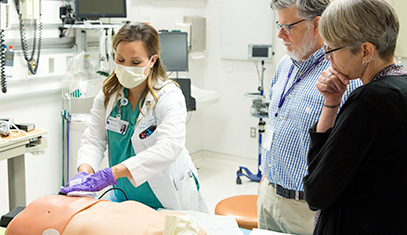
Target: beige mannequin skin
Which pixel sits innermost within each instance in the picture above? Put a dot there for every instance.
(104, 217)
(129, 217)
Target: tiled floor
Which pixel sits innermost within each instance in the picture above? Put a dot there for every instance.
(217, 173)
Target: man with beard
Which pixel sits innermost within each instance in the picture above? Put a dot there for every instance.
(295, 105)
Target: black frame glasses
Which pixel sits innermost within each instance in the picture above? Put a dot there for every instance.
(327, 53)
(287, 27)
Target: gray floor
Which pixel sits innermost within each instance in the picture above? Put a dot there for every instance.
(217, 173)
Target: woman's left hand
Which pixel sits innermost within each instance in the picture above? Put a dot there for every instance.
(332, 84)
(94, 182)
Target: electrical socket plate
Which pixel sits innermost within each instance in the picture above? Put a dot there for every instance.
(253, 132)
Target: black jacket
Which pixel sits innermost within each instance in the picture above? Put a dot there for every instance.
(357, 173)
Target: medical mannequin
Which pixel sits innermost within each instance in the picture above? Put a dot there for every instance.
(90, 216)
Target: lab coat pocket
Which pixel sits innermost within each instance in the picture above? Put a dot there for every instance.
(150, 140)
(184, 179)
(187, 191)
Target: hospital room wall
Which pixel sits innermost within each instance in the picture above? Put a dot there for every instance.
(226, 124)
(42, 172)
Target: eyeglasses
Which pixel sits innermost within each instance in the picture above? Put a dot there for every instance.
(287, 27)
(327, 53)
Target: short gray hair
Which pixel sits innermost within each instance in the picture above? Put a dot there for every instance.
(307, 9)
(352, 22)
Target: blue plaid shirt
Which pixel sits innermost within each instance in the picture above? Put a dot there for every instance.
(286, 162)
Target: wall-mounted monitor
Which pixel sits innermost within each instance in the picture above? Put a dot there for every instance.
(174, 51)
(95, 9)
(260, 52)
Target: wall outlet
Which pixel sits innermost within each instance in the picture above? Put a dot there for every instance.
(253, 132)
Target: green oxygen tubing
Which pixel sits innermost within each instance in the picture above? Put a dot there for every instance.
(66, 117)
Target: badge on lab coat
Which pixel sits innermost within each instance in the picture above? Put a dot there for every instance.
(116, 125)
(268, 136)
(149, 104)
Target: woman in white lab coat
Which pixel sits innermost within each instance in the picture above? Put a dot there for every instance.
(140, 115)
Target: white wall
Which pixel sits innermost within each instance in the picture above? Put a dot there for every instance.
(222, 127)
(43, 172)
(227, 123)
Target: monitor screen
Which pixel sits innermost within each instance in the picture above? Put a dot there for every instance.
(174, 51)
(95, 9)
(260, 52)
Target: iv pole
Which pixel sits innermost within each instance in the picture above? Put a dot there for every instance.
(249, 174)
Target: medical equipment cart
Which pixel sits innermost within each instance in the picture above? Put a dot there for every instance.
(259, 109)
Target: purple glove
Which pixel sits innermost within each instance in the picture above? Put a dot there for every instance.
(94, 182)
(77, 179)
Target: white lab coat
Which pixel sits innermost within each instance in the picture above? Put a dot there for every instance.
(161, 159)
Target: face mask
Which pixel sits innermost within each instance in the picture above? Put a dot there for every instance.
(131, 77)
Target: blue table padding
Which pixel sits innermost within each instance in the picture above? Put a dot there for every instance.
(245, 231)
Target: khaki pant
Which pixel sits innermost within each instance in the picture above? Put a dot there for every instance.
(281, 214)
